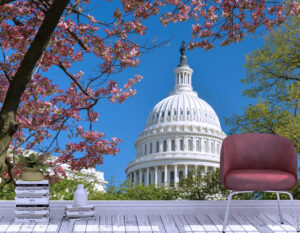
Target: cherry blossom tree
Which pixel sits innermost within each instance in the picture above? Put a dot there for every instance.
(36, 35)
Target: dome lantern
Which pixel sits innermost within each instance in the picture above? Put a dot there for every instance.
(183, 74)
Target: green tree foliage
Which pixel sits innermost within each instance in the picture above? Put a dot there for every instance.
(202, 186)
(273, 79)
(194, 187)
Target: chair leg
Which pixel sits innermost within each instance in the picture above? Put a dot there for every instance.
(227, 211)
(278, 202)
(293, 208)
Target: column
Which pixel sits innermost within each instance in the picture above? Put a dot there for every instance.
(185, 170)
(135, 177)
(140, 173)
(194, 149)
(166, 175)
(195, 170)
(202, 145)
(175, 175)
(155, 175)
(168, 144)
(185, 144)
(147, 176)
(177, 144)
(161, 144)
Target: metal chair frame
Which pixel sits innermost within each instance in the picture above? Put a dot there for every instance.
(278, 203)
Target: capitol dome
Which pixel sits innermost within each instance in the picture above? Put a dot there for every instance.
(182, 134)
(184, 108)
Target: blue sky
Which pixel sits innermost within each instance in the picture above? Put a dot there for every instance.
(216, 78)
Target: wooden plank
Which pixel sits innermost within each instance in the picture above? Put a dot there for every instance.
(245, 223)
(258, 224)
(54, 224)
(79, 225)
(157, 224)
(27, 227)
(144, 225)
(105, 224)
(169, 224)
(40, 228)
(92, 225)
(287, 226)
(194, 223)
(66, 226)
(276, 227)
(131, 224)
(182, 224)
(118, 223)
(206, 223)
(14, 227)
(290, 219)
(219, 223)
(233, 224)
(5, 222)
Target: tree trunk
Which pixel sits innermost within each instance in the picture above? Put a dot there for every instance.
(8, 124)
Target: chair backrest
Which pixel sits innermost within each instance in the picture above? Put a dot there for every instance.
(257, 151)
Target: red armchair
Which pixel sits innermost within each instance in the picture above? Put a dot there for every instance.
(258, 162)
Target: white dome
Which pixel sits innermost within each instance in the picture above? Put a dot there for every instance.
(185, 107)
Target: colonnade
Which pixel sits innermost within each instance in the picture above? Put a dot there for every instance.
(179, 144)
(165, 174)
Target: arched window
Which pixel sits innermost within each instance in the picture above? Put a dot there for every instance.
(162, 114)
(181, 144)
(169, 113)
(190, 143)
(181, 112)
(180, 174)
(198, 145)
(145, 149)
(165, 146)
(188, 112)
(157, 146)
(206, 146)
(173, 145)
(172, 178)
(150, 147)
(175, 112)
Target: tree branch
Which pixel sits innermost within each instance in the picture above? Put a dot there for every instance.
(60, 65)
(75, 37)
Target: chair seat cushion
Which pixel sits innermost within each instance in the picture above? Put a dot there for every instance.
(259, 180)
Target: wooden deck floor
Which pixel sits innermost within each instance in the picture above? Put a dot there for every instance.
(155, 223)
(160, 216)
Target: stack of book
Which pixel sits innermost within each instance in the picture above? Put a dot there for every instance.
(32, 201)
(73, 211)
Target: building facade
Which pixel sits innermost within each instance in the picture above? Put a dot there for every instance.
(182, 134)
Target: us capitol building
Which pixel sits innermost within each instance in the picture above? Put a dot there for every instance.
(182, 134)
